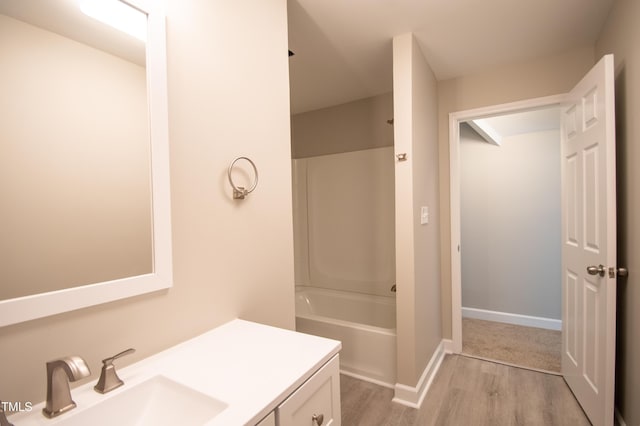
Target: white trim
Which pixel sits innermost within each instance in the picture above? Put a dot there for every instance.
(413, 396)
(508, 318)
(510, 364)
(485, 130)
(367, 379)
(455, 118)
(618, 417)
(447, 344)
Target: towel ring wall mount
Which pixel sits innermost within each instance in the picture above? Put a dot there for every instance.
(240, 192)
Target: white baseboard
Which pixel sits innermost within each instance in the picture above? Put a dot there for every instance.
(367, 379)
(619, 419)
(447, 345)
(413, 396)
(517, 319)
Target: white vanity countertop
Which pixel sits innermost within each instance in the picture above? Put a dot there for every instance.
(251, 367)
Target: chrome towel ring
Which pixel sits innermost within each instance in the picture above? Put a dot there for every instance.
(240, 192)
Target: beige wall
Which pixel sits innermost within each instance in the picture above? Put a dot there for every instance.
(621, 36)
(353, 126)
(57, 164)
(231, 259)
(417, 246)
(543, 77)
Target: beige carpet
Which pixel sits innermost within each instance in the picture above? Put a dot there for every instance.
(524, 346)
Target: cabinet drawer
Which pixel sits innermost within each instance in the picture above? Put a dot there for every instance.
(319, 396)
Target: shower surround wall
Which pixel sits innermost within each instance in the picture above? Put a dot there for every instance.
(344, 221)
(344, 233)
(343, 175)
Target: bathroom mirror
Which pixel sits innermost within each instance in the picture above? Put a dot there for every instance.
(87, 180)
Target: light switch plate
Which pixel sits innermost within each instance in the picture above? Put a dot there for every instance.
(424, 215)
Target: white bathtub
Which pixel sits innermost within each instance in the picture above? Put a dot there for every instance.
(365, 325)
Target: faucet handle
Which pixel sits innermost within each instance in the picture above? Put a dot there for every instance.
(109, 380)
(3, 416)
(109, 361)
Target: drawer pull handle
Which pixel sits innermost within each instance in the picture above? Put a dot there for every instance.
(317, 419)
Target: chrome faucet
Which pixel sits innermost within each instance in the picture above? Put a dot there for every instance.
(3, 416)
(59, 373)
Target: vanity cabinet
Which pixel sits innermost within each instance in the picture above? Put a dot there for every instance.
(315, 403)
(270, 420)
(245, 374)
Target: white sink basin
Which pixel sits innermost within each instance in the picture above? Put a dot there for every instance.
(156, 401)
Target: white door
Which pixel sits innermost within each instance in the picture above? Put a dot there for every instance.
(589, 240)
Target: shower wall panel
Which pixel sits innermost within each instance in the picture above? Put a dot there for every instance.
(344, 221)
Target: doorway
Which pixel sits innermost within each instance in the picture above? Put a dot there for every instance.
(454, 131)
(588, 236)
(510, 238)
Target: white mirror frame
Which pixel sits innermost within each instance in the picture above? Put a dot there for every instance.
(26, 308)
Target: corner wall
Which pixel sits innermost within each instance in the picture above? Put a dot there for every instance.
(417, 246)
(231, 259)
(621, 36)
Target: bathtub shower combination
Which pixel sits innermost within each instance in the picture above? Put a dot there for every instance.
(345, 257)
(365, 324)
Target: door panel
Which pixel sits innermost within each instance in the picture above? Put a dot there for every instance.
(591, 199)
(589, 230)
(571, 320)
(591, 346)
(572, 220)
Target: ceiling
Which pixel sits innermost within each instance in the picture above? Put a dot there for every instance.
(64, 18)
(343, 47)
(526, 122)
(495, 128)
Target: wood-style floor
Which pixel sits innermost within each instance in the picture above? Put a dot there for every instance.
(468, 392)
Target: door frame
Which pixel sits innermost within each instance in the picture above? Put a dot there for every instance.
(455, 119)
